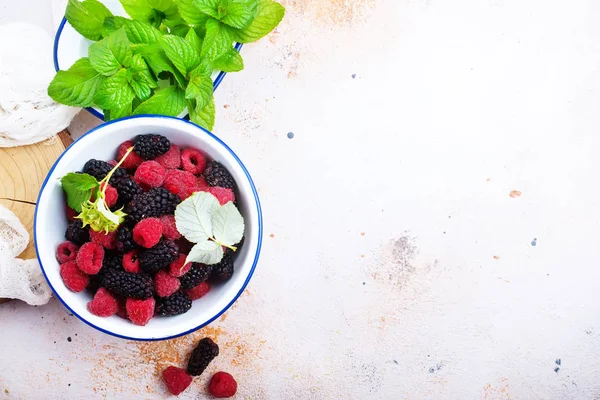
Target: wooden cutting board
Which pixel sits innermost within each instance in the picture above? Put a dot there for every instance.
(22, 172)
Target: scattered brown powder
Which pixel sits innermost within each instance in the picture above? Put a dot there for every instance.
(514, 194)
(496, 257)
(336, 12)
(362, 234)
(271, 235)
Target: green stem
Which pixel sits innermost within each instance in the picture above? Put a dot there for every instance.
(112, 171)
(221, 244)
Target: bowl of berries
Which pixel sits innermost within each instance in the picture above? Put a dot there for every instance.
(148, 227)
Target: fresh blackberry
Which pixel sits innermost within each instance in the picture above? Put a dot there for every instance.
(111, 261)
(203, 354)
(175, 304)
(76, 233)
(125, 241)
(217, 175)
(99, 169)
(151, 146)
(196, 275)
(127, 189)
(158, 257)
(223, 270)
(154, 203)
(126, 284)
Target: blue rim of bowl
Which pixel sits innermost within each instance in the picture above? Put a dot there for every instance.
(256, 256)
(91, 110)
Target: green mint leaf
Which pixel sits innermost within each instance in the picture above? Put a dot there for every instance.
(112, 53)
(181, 53)
(140, 10)
(205, 116)
(268, 15)
(191, 13)
(207, 252)
(217, 40)
(78, 188)
(99, 218)
(208, 7)
(240, 13)
(166, 6)
(194, 40)
(140, 78)
(112, 24)
(114, 92)
(142, 32)
(228, 225)
(117, 113)
(200, 88)
(87, 17)
(167, 101)
(160, 63)
(231, 61)
(77, 85)
(180, 30)
(193, 216)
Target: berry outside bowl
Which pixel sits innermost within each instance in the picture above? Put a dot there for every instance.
(50, 223)
(70, 46)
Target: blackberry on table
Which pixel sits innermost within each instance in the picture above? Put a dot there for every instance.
(76, 233)
(127, 189)
(99, 169)
(203, 354)
(217, 175)
(158, 257)
(224, 269)
(125, 241)
(197, 274)
(154, 203)
(150, 146)
(175, 304)
(134, 286)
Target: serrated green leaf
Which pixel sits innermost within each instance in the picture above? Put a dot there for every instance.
(181, 53)
(140, 78)
(228, 225)
(165, 6)
(140, 10)
(207, 252)
(200, 89)
(112, 53)
(217, 40)
(142, 32)
(208, 7)
(78, 188)
(193, 216)
(194, 40)
(112, 24)
(114, 92)
(76, 86)
(191, 13)
(231, 61)
(239, 13)
(180, 30)
(117, 113)
(159, 63)
(87, 17)
(167, 101)
(205, 117)
(268, 15)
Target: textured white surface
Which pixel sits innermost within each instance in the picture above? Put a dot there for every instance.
(399, 265)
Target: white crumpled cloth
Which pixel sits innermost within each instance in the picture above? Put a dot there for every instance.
(19, 279)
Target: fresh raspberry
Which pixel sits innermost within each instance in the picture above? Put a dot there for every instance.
(110, 196)
(131, 262)
(171, 159)
(71, 214)
(224, 195)
(74, 279)
(66, 251)
(180, 183)
(147, 232)
(169, 227)
(177, 269)
(107, 240)
(133, 160)
(202, 185)
(193, 161)
(199, 291)
(150, 174)
(122, 312)
(165, 284)
(112, 162)
(89, 258)
(140, 311)
(103, 304)
(222, 385)
(176, 379)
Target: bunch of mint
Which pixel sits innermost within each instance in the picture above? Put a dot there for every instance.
(161, 60)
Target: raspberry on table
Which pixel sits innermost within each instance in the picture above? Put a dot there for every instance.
(180, 183)
(222, 385)
(76, 233)
(133, 160)
(176, 304)
(171, 159)
(198, 273)
(169, 227)
(89, 258)
(66, 251)
(140, 311)
(73, 278)
(159, 256)
(165, 284)
(223, 271)
(147, 232)
(131, 263)
(199, 291)
(126, 284)
(150, 146)
(176, 379)
(104, 304)
(203, 354)
(154, 203)
(224, 195)
(177, 267)
(193, 161)
(217, 175)
(150, 174)
(106, 240)
(125, 240)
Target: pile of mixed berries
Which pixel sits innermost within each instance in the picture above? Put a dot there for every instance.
(137, 270)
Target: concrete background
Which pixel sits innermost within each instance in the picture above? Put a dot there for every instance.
(431, 229)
